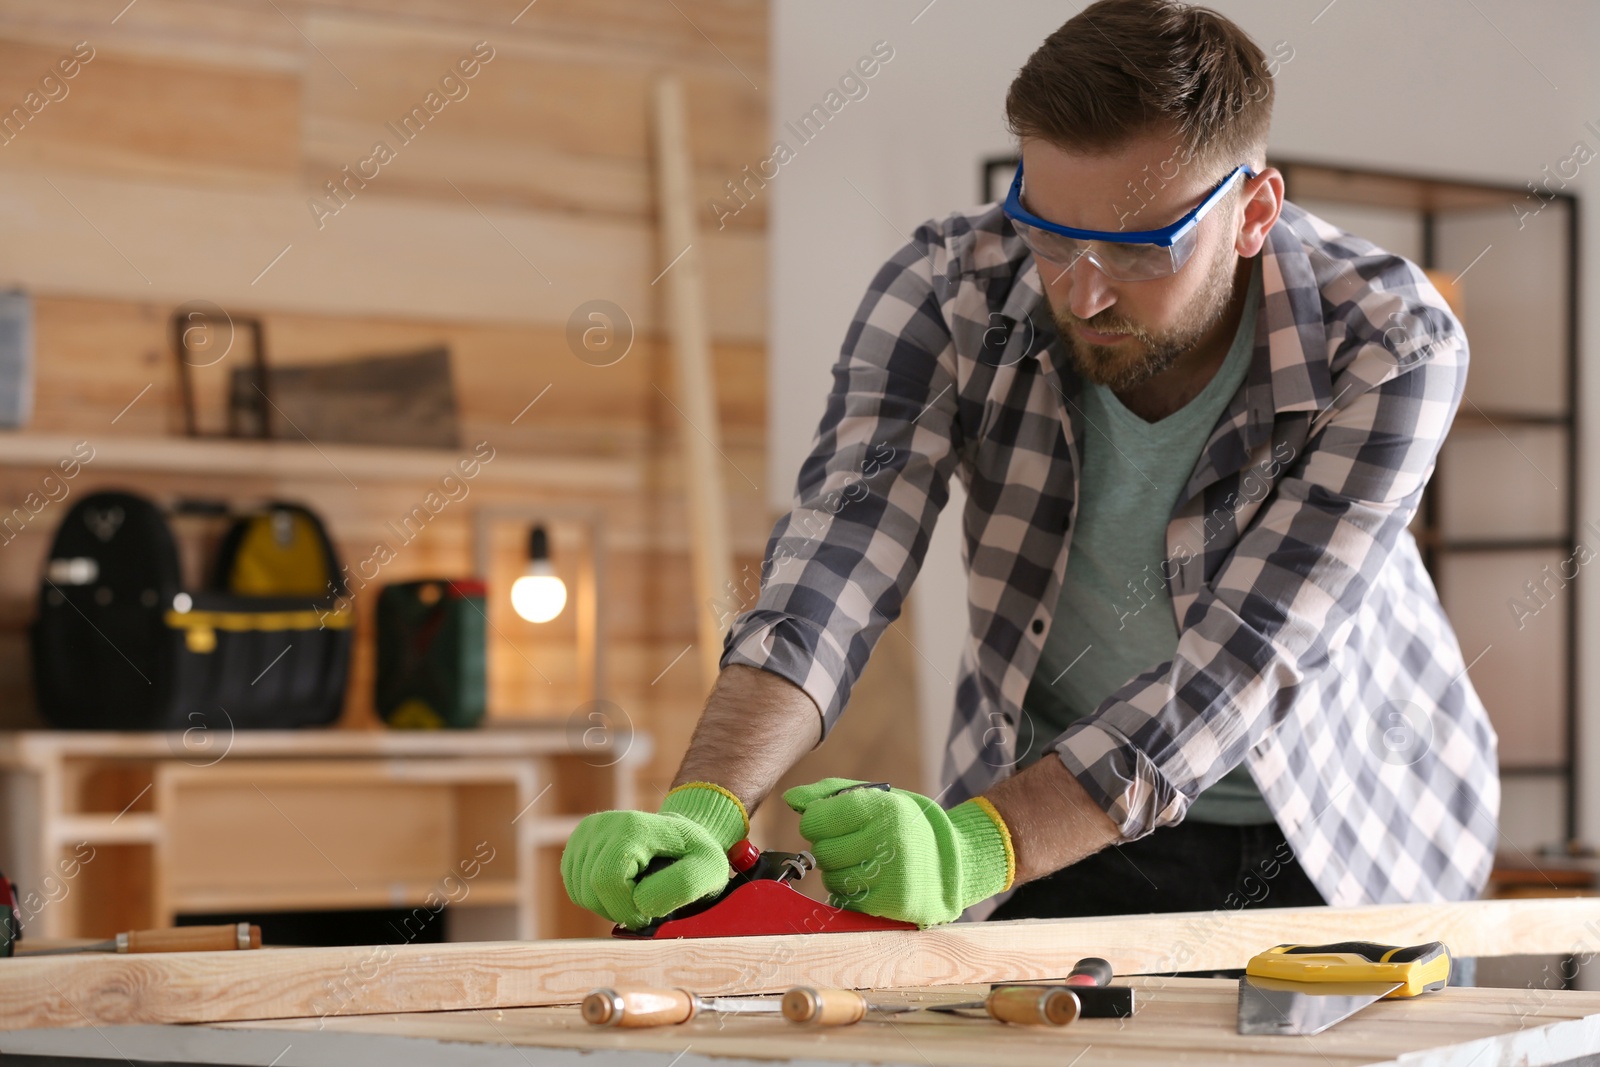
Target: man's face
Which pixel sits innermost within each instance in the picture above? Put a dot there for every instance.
(1121, 334)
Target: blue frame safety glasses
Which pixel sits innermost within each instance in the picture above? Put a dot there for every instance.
(1127, 256)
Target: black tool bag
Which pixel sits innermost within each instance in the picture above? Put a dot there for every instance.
(119, 644)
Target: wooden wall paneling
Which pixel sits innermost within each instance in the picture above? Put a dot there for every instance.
(201, 32)
(707, 33)
(292, 983)
(508, 135)
(391, 256)
(140, 116)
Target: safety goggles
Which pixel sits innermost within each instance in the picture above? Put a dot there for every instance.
(1128, 256)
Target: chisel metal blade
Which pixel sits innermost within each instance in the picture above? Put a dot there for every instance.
(1276, 1006)
(741, 1005)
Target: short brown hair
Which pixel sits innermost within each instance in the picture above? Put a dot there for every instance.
(1124, 68)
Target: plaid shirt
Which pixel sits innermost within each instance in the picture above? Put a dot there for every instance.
(1311, 642)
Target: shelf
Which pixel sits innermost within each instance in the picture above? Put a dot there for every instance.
(1510, 544)
(304, 460)
(131, 829)
(37, 747)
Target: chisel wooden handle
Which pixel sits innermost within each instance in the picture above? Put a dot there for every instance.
(191, 939)
(824, 1007)
(639, 1007)
(1033, 1005)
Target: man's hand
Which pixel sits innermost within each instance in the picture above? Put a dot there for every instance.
(899, 855)
(608, 850)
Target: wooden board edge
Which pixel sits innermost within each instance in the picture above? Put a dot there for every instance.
(319, 982)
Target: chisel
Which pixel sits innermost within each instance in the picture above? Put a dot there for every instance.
(665, 1007)
(1090, 979)
(173, 939)
(1020, 1005)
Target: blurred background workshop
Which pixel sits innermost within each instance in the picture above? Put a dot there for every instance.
(397, 397)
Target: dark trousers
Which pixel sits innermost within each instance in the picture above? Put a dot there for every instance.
(1186, 867)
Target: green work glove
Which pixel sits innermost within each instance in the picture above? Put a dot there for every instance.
(899, 855)
(697, 825)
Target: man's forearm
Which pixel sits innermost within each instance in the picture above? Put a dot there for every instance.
(1052, 820)
(755, 726)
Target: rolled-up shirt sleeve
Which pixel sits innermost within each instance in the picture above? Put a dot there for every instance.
(1282, 603)
(839, 564)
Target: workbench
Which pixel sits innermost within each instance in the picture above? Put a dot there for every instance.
(1191, 1021)
(514, 1003)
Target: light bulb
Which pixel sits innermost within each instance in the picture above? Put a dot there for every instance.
(538, 597)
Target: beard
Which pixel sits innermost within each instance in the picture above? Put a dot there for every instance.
(1128, 365)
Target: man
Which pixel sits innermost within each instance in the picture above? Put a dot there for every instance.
(1193, 422)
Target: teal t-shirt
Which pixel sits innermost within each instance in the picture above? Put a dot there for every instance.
(1114, 618)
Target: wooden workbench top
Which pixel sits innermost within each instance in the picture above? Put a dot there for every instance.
(1192, 1021)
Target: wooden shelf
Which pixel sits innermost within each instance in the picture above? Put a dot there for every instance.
(304, 460)
(130, 829)
(28, 747)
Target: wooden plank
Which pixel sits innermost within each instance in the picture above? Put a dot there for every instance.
(696, 386)
(291, 983)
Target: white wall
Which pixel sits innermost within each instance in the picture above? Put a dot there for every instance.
(1488, 90)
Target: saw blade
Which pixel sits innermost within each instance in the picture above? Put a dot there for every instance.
(1277, 1006)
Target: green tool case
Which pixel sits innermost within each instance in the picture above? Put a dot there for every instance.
(431, 669)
